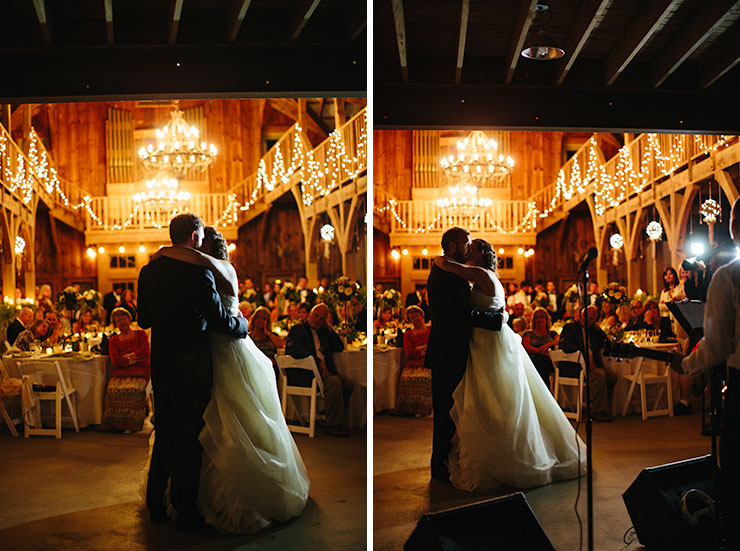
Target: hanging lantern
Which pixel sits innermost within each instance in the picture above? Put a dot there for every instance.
(654, 230)
(327, 235)
(616, 241)
(710, 211)
(20, 245)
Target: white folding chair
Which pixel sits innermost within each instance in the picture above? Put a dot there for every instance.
(317, 384)
(4, 412)
(49, 384)
(558, 356)
(639, 377)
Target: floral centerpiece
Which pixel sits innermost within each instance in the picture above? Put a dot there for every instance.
(541, 299)
(289, 292)
(571, 295)
(69, 299)
(91, 300)
(390, 298)
(347, 297)
(615, 293)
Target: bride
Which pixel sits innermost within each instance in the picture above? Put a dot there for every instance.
(509, 429)
(252, 473)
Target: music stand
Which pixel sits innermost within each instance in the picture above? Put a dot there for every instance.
(690, 316)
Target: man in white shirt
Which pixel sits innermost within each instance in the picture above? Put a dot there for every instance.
(721, 343)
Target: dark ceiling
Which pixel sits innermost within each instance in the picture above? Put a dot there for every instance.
(639, 64)
(79, 49)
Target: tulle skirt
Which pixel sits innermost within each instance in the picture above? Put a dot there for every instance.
(510, 431)
(252, 470)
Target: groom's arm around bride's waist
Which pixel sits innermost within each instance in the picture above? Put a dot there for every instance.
(493, 321)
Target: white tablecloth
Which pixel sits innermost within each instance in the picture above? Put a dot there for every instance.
(626, 367)
(353, 365)
(89, 378)
(386, 372)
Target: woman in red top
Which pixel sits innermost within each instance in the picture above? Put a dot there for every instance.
(125, 400)
(415, 385)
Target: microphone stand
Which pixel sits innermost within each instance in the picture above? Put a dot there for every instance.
(589, 464)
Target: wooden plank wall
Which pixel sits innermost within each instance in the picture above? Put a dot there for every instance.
(271, 244)
(60, 255)
(393, 162)
(383, 265)
(538, 158)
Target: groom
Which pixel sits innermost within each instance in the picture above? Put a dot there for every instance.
(447, 350)
(180, 303)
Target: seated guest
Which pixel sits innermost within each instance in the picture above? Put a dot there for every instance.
(40, 313)
(651, 317)
(246, 309)
(538, 341)
(607, 316)
(603, 380)
(519, 326)
(125, 399)
(635, 319)
(304, 308)
(293, 312)
(20, 323)
(267, 341)
(315, 338)
(36, 333)
(55, 327)
(415, 384)
(85, 323)
(517, 311)
(385, 318)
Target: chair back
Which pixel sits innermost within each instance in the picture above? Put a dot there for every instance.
(44, 372)
(558, 356)
(309, 364)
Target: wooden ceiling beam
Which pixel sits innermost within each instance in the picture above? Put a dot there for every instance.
(724, 55)
(699, 28)
(523, 22)
(643, 26)
(237, 13)
(289, 108)
(357, 21)
(304, 13)
(461, 38)
(589, 17)
(109, 20)
(43, 16)
(400, 25)
(174, 20)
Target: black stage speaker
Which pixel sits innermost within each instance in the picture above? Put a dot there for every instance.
(654, 504)
(502, 523)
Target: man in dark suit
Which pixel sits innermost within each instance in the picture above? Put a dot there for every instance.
(21, 323)
(315, 338)
(111, 299)
(180, 303)
(419, 298)
(555, 305)
(447, 350)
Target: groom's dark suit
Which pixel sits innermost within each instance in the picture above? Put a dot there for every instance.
(180, 303)
(447, 353)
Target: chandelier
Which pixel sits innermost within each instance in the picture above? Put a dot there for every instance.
(477, 160)
(178, 147)
(463, 199)
(161, 190)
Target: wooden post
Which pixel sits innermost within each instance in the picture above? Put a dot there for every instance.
(5, 116)
(8, 272)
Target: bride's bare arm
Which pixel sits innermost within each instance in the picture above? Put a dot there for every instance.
(476, 274)
(223, 271)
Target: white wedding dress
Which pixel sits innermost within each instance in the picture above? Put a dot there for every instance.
(252, 472)
(510, 431)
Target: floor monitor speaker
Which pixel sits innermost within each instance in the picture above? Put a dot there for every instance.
(502, 523)
(654, 504)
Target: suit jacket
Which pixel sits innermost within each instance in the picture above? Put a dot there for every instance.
(180, 303)
(559, 307)
(300, 344)
(14, 329)
(109, 303)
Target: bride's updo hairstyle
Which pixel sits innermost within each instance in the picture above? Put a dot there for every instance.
(219, 247)
(488, 257)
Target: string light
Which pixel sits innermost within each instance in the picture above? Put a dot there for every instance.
(327, 232)
(20, 245)
(92, 253)
(616, 241)
(654, 230)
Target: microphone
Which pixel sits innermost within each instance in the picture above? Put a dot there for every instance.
(592, 253)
